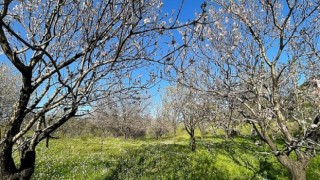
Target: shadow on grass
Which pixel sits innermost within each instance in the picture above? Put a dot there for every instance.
(239, 158)
(176, 161)
(166, 161)
(245, 153)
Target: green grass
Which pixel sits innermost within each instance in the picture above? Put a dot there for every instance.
(112, 158)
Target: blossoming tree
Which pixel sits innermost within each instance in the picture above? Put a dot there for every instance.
(263, 56)
(71, 53)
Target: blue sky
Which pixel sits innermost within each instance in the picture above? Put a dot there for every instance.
(189, 7)
(187, 13)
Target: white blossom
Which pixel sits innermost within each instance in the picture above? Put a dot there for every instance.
(313, 126)
(160, 4)
(146, 20)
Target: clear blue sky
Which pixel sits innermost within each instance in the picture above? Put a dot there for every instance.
(189, 7)
(187, 13)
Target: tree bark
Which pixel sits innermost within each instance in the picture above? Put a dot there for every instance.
(296, 169)
(297, 172)
(126, 135)
(8, 169)
(7, 165)
(174, 132)
(193, 144)
(227, 134)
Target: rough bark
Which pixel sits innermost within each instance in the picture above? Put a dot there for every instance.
(8, 169)
(296, 169)
(297, 173)
(193, 144)
(7, 165)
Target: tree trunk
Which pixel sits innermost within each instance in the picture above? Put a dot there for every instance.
(296, 169)
(297, 172)
(192, 139)
(174, 134)
(7, 165)
(8, 169)
(27, 164)
(227, 134)
(193, 144)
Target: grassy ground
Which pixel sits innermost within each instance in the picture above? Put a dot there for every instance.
(112, 158)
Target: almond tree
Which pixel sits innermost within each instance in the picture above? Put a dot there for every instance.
(264, 56)
(123, 115)
(160, 125)
(192, 108)
(69, 54)
(169, 109)
(9, 84)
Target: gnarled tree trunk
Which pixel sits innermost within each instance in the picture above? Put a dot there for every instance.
(297, 172)
(296, 169)
(8, 169)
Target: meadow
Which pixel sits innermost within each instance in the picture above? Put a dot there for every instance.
(90, 157)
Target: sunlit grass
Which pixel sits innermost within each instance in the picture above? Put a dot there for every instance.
(170, 158)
